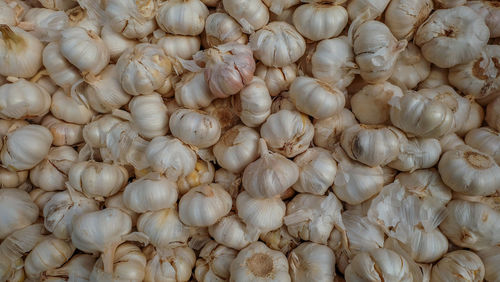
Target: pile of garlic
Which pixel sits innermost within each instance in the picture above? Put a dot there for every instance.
(249, 140)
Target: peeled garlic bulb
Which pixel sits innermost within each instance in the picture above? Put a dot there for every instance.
(490, 11)
(18, 211)
(493, 114)
(271, 48)
(485, 140)
(70, 108)
(317, 170)
(265, 214)
(149, 193)
(375, 8)
(52, 173)
(129, 264)
(371, 105)
(317, 21)
(307, 254)
(64, 133)
(257, 263)
(116, 42)
(21, 52)
(48, 254)
(23, 99)
(416, 154)
(149, 115)
(460, 28)
(403, 17)
(195, 128)
(253, 103)
(163, 228)
(192, 91)
(220, 28)
(237, 148)
(463, 265)
(490, 257)
(411, 68)
(170, 157)
(277, 79)
(12, 179)
(203, 173)
(327, 131)
(251, 15)
(232, 232)
(133, 19)
(172, 265)
(182, 17)
(214, 262)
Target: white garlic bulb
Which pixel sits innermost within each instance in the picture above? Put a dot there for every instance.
(182, 17)
(490, 12)
(214, 262)
(220, 28)
(172, 265)
(21, 52)
(253, 103)
(143, 69)
(116, 201)
(180, 46)
(40, 197)
(170, 157)
(64, 133)
(195, 128)
(23, 99)
(460, 28)
(149, 115)
(25, 147)
(251, 15)
(18, 210)
(232, 232)
(96, 179)
(371, 105)
(277, 79)
(485, 140)
(116, 42)
(374, 8)
(475, 118)
(52, 173)
(411, 68)
(362, 235)
(403, 17)
(264, 214)
(96, 131)
(270, 175)
(436, 78)
(129, 264)
(468, 171)
(237, 148)
(327, 131)
(307, 254)
(70, 108)
(259, 263)
(376, 51)
(417, 153)
(317, 21)
(60, 70)
(133, 19)
(192, 91)
(78, 267)
(12, 179)
(49, 253)
(490, 257)
(45, 24)
(462, 265)
(493, 114)
(163, 228)
(150, 193)
(317, 170)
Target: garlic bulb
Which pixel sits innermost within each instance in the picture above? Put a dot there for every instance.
(52, 173)
(490, 12)
(150, 193)
(474, 119)
(280, 240)
(471, 225)
(195, 128)
(116, 42)
(85, 17)
(490, 257)
(133, 19)
(12, 179)
(179, 45)
(182, 17)
(259, 263)
(307, 254)
(282, 102)
(223, 111)
(317, 21)
(251, 15)
(220, 28)
(232, 232)
(21, 52)
(417, 114)
(264, 214)
(40, 197)
(214, 262)
(270, 175)
(271, 48)
(63, 133)
(78, 267)
(463, 265)
(70, 108)
(97, 180)
(23, 99)
(327, 131)
(373, 8)
(170, 157)
(60, 70)
(143, 69)
(49, 253)
(378, 265)
(460, 28)
(371, 105)
(493, 114)
(163, 228)
(485, 140)
(149, 115)
(116, 201)
(468, 171)
(203, 173)
(410, 68)
(237, 148)
(403, 17)
(253, 103)
(45, 24)
(427, 185)
(25, 147)
(96, 131)
(416, 154)
(450, 142)
(277, 79)
(172, 265)
(58, 4)
(376, 51)
(436, 78)
(317, 170)
(17, 209)
(193, 91)
(129, 264)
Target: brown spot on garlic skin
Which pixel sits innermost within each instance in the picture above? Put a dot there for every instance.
(494, 4)
(478, 71)
(496, 61)
(11, 39)
(477, 161)
(260, 264)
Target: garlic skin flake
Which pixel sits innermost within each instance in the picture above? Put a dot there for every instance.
(52, 173)
(18, 210)
(460, 28)
(48, 254)
(171, 157)
(195, 128)
(23, 99)
(264, 214)
(150, 193)
(163, 228)
(214, 262)
(237, 148)
(21, 52)
(371, 104)
(317, 21)
(462, 264)
(182, 17)
(149, 115)
(308, 254)
(133, 19)
(232, 232)
(403, 17)
(251, 15)
(486, 140)
(317, 170)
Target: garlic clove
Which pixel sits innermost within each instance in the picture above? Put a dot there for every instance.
(317, 170)
(149, 115)
(18, 211)
(237, 148)
(182, 17)
(214, 262)
(195, 128)
(23, 99)
(220, 28)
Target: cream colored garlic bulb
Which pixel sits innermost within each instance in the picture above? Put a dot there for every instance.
(64, 133)
(309, 254)
(317, 170)
(259, 263)
(419, 115)
(116, 42)
(163, 228)
(371, 105)
(170, 156)
(253, 103)
(485, 140)
(21, 52)
(232, 232)
(277, 79)
(193, 91)
(378, 265)
(436, 78)
(85, 17)
(40, 197)
(45, 24)
(237, 148)
(133, 19)
(143, 69)
(462, 265)
(490, 11)
(493, 114)
(116, 201)
(271, 48)
(149, 115)
(450, 142)
(427, 185)
(287, 132)
(23, 99)
(282, 102)
(374, 8)
(317, 21)
(490, 257)
(96, 179)
(214, 262)
(251, 15)
(52, 173)
(12, 179)
(195, 128)
(182, 17)
(410, 68)
(416, 154)
(60, 70)
(327, 131)
(96, 131)
(25, 147)
(220, 28)
(172, 265)
(70, 108)
(264, 214)
(460, 28)
(18, 210)
(376, 51)
(426, 247)
(78, 267)
(179, 45)
(9, 13)
(403, 17)
(150, 193)
(129, 264)
(468, 171)
(203, 173)
(270, 175)
(49, 253)
(204, 205)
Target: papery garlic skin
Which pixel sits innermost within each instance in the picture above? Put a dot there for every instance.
(18, 210)
(12, 179)
(259, 263)
(460, 29)
(317, 21)
(163, 228)
(195, 128)
(8, 14)
(192, 91)
(214, 262)
(81, 17)
(129, 264)
(133, 19)
(232, 232)
(371, 105)
(416, 154)
(403, 17)
(48, 254)
(182, 17)
(307, 254)
(468, 171)
(493, 114)
(237, 148)
(271, 48)
(280, 240)
(60, 70)
(485, 140)
(327, 131)
(64, 133)
(253, 103)
(149, 193)
(220, 28)
(251, 15)
(223, 111)
(427, 185)
(411, 68)
(52, 173)
(180, 46)
(490, 257)
(277, 79)
(317, 170)
(23, 99)
(40, 197)
(21, 52)
(172, 265)
(70, 108)
(149, 115)
(96, 131)
(170, 157)
(282, 102)
(465, 265)
(356, 8)
(265, 214)
(58, 4)
(490, 12)
(437, 77)
(116, 42)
